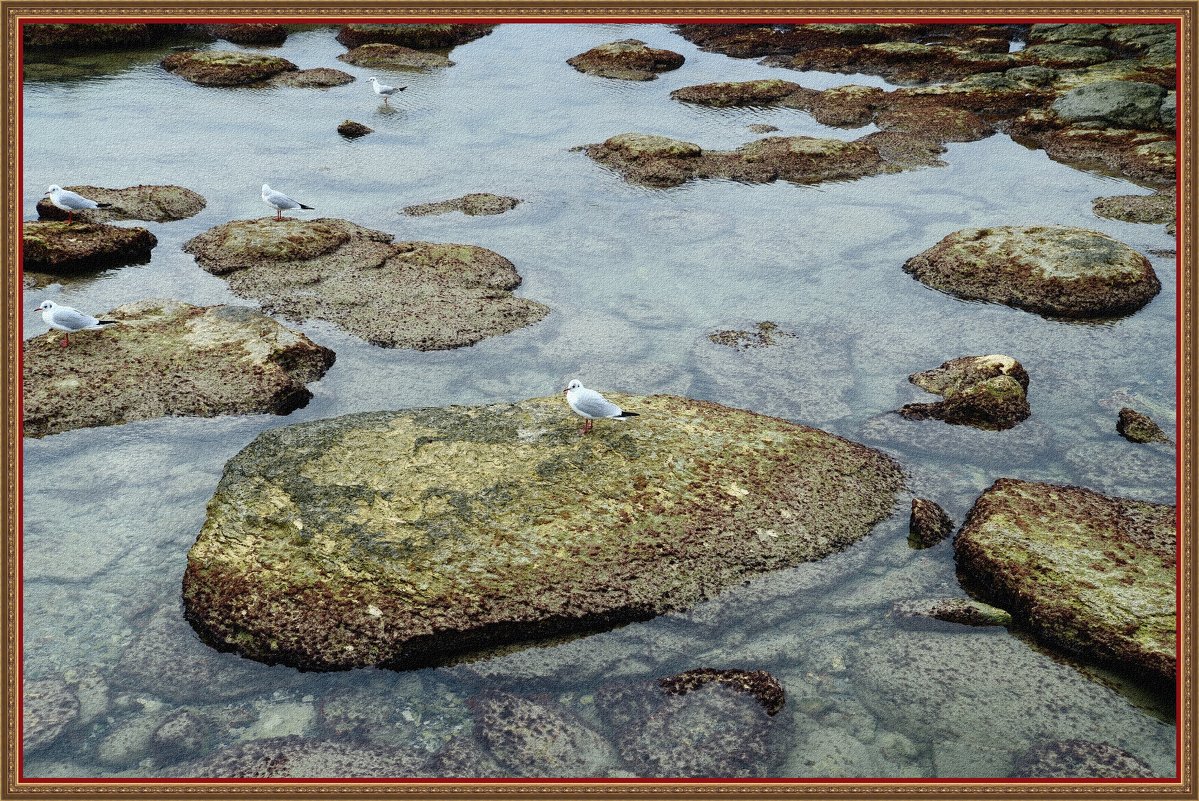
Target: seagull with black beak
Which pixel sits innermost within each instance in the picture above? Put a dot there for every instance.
(589, 404)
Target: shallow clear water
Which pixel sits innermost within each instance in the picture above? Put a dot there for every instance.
(636, 278)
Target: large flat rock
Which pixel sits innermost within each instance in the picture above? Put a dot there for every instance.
(166, 357)
(1089, 573)
(406, 538)
(63, 248)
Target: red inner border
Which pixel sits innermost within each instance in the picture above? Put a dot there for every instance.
(1182, 630)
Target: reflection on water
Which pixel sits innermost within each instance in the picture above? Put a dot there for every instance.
(636, 279)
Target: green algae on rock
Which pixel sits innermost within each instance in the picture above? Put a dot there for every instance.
(928, 523)
(988, 392)
(1137, 427)
(224, 67)
(1051, 270)
(407, 538)
(165, 357)
(1158, 208)
(142, 202)
(472, 205)
(629, 60)
(68, 248)
(963, 611)
(396, 57)
(1085, 572)
(422, 295)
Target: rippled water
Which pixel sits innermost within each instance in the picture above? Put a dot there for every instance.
(636, 278)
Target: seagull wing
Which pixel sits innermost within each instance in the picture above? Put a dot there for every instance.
(280, 200)
(590, 403)
(75, 201)
(73, 320)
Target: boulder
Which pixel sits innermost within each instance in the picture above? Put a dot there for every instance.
(415, 36)
(353, 130)
(225, 67)
(1088, 573)
(165, 357)
(406, 538)
(1051, 270)
(65, 248)
(394, 57)
(423, 295)
(1112, 104)
(152, 203)
(928, 524)
(472, 205)
(629, 59)
(988, 392)
(1140, 428)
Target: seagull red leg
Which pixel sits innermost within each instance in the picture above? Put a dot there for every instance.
(66, 340)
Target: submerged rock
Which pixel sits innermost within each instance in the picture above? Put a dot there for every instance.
(1053, 271)
(423, 295)
(93, 36)
(1140, 428)
(225, 67)
(353, 130)
(629, 59)
(964, 611)
(928, 524)
(165, 357)
(1158, 209)
(153, 203)
(1085, 572)
(535, 740)
(758, 684)
(295, 757)
(316, 78)
(416, 36)
(764, 335)
(1079, 759)
(65, 248)
(663, 162)
(404, 538)
(249, 33)
(988, 392)
(48, 708)
(396, 57)
(472, 205)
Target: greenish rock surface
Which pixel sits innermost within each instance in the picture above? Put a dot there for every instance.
(423, 295)
(407, 538)
(64, 248)
(1085, 572)
(629, 60)
(1051, 270)
(1140, 428)
(417, 36)
(1113, 104)
(964, 611)
(166, 357)
(225, 67)
(395, 57)
(928, 523)
(660, 161)
(988, 392)
(153, 203)
(1158, 209)
(472, 205)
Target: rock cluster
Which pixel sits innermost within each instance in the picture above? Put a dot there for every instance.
(988, 392)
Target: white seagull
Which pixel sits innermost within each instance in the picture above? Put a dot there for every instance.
(71, 202)
(64, 318)
(383, 90)
(280, 202)
(593, 406)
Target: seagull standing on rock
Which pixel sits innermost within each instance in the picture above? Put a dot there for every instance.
(64, 318)
(383, 90)
(589, 404)
(70, 202)
(280, 202)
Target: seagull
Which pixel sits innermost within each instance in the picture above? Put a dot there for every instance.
(71, 202)
(64, 318)
(590, 404)
(280, 202)
(383, 90)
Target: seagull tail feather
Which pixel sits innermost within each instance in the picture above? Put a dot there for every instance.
(107, 322)
(623, 415)
(306, 207)
(103, 205)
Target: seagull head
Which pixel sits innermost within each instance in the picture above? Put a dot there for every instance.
(575, 384)
(51, 189)
(373, 79)
(46, 306)
(266, 188)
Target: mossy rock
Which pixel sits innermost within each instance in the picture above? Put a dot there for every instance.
(1158, 209)
(65, 248)
(77, 36)
(243, 33)
(394, 57)
(415, 36)
(225, 67)
(1088, 573)
(963, 611)
(142, 202)
(900, 62)
(739, 93)
(407, 538)
(353, 130)
(165, 357)
(629, 60)
(1140, 428)
(420, 295)
(1051, 270)
(473, 205)
(987, 392)
(315, 78)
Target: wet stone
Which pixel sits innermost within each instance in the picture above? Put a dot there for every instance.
(296, 757)
(49, 707)
(963, 611)
(416, 36)
(630, 60)
(153, 203)
(928, 524)
(988, 392)
(250, 33)
(1140, 428)
(396, 57)
(472, 205)
(316, 78)
(757, 683)
(225, 67)
(353, 130)
(1113, 104)
(165, 357)
(534, 739)
(1079, 759)
(65, 248)
(1157, 209)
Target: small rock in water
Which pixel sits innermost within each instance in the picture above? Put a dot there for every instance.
(987, 392)
(965, 611)
(533, 739)
(757, 683)
(630, 60)
(928, 524)
(181, 734)
(1137, 427)
(225, 67)
(153, 203)
(472, 205)
(352, 130)
(69, 248)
